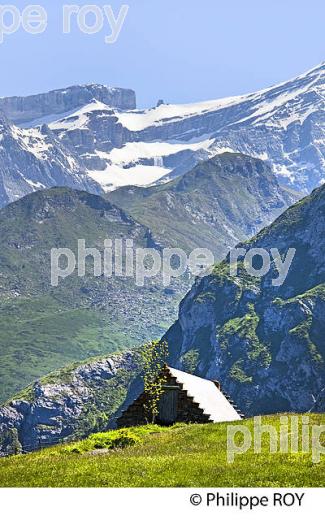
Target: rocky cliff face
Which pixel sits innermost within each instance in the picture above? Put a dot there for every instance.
(24, 110)
(264, 343)
(66, 405)
(34, 159)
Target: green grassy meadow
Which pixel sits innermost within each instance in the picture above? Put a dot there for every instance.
(42, 335)
(180, 456)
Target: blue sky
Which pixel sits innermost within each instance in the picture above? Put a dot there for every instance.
(177, 50)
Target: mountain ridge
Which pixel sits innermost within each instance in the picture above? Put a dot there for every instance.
(282, 124)
(45, 327)
(113, 144)
(211, 206)
(25, 109)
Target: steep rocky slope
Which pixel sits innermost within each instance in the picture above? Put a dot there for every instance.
(265, 343)
(65, 405)
(34, 159)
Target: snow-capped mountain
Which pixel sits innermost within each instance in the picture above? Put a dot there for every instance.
(31, 155)
(34, 159)
(40, 107)
(283, 124)
(117, 145)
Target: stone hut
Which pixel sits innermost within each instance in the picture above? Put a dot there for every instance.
(187, 399)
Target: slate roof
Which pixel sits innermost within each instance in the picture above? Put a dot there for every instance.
(210, 399)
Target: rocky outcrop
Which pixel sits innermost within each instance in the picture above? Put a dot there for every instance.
(264, 343)
(66, 405)
(22, 110)
(34, 159)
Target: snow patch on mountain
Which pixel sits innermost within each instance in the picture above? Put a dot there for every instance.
(127, 165)
(80, 118)
(139, 120)
(131, 152)
(116, 176)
